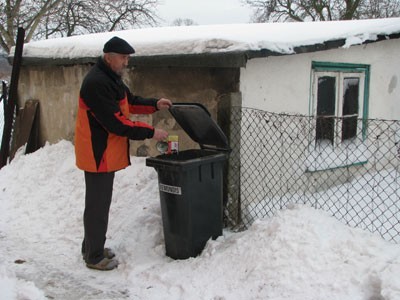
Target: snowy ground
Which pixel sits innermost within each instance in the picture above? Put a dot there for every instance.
(301, 253)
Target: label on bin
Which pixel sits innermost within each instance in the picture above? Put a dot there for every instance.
(170, 189)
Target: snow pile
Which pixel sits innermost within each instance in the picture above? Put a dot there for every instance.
(277, 37)
(14, 288)
(301, 253)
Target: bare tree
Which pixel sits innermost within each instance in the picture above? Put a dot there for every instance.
(183, 22)
(321, 10)
(380, 9)
(57, 18)
(19, 13)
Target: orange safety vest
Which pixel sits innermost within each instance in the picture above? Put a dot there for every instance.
(103, 127)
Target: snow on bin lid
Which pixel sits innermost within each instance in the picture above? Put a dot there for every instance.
(195, 119)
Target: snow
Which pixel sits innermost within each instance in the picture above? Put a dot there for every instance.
(300, 253)
(277, 37)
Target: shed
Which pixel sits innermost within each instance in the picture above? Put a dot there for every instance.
(282, 68)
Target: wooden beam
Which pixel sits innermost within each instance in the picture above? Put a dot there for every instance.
(10, 107)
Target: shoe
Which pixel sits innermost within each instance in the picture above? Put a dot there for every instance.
(105, 264)
(108, 253)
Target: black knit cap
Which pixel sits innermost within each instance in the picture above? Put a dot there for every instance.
(118, 45)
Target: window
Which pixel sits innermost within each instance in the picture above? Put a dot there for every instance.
(339, 103)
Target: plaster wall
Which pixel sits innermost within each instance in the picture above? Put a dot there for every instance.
(283, 83)
(275, 155)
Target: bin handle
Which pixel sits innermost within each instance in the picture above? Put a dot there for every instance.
(191, 104)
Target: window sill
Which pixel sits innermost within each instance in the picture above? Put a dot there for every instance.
(329, 158)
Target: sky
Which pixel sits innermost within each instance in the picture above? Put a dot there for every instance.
(205, 12)
(301, 253)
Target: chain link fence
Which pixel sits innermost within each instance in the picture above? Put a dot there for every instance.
(349, 168)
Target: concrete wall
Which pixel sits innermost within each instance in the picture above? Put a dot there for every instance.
(200, 85)
(57, 89)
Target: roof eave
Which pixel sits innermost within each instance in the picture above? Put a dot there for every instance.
(218, 59)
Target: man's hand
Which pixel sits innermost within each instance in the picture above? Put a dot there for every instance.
(160, 134)
(164, 104)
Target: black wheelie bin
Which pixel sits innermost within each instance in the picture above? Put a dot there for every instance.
(191, 184)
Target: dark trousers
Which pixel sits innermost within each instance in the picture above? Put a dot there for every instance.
(99, 187)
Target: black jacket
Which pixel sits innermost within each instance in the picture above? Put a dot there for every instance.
(103, 126)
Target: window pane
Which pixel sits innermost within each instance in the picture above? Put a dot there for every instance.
(350, 107)
(326, 108)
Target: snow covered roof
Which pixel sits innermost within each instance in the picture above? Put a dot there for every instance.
(277, 38)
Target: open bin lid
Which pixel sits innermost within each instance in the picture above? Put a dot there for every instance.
(195, 119)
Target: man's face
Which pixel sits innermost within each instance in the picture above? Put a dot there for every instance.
(117, 62)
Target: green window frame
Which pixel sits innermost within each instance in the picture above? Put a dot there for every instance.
(339, 104)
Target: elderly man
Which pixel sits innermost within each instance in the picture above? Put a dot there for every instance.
(102, 134)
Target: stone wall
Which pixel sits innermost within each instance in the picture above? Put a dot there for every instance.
(57, 89)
